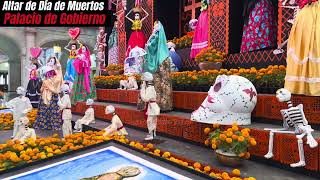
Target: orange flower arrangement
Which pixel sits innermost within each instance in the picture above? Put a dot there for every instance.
(233, 140)
(184, 41)
(6, 119)
(112, 82)
(211, 55)
(114, 67)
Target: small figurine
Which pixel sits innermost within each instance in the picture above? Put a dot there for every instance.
(130, 84)
(25, 132)
(87, 118)
(65, 107)
(152, 110)
(116, 124)
(21, 105)
(292, 117)
(231, 98)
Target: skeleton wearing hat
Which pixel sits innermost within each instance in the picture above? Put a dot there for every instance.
(116, 124)
(87, 118)
(25, 132)
(152, 110)
(65, 107)
(292, 117)
(21, 106)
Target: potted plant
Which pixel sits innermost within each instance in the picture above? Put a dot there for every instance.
(210, 58)
(230, 145)
(114, 69)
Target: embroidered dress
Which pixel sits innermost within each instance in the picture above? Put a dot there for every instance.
(33, 89)
(83, 87)
(303, 54)
(137, 38)
(260, 28)
(70, 73)
(113, 47)
(200, 39)
(158, 63)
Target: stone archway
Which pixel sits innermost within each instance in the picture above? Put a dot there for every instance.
(9, 47)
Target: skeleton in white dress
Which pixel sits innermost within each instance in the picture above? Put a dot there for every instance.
(65, 106)
(116, 126)
(87, 118)
(21, 106)
(149, 96)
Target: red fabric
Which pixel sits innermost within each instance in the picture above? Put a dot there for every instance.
(137, 38)
(302, 3)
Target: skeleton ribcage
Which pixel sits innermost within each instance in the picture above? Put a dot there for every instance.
(293, 116)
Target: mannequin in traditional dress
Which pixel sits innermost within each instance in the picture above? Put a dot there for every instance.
(25, 132)
(137, 38)
(303, 50)
(113, 45)
(201, 34)
(116, 126)
(157, 62)
(260, 25)
(21, 106)
(83, 87)
(100, 48)
(71, 73)
(149, 96)
(133, 64)
(87, 118)
(34, 85)
(65, 106)
(49, 116)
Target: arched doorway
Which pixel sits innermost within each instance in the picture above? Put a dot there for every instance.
(11, 54)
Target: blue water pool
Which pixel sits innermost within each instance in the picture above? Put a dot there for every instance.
(99, 162)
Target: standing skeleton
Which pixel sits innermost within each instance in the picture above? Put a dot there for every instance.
(296, 9)
(100, 48)
(292, 117)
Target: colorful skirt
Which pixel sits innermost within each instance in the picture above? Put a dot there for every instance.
(201, 35)
(71, 72)
(303, 54)
(33, 92)
(137, 38)
(113, 55)
(79, 92)
(49, 116)
(261, 30)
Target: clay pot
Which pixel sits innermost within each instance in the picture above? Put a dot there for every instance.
(210, 65)
(228, 159)
(114, 73)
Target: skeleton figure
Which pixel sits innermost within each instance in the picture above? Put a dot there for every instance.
(152, 110)
(21, 106)
(130, 84)
(116, 123)
(231, 98)
(100, 48)
(87, 118)
(65, 106)
(296, 9)
(292, 117)
(25, 132)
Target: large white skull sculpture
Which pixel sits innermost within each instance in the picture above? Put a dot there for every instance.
(231, 99)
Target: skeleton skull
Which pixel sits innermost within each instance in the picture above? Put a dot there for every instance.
(231, 99)
(283, 95)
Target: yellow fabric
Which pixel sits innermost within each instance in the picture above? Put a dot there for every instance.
(52, 85)
(136, 25)
(303, 60)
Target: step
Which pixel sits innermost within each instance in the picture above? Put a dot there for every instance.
(205, 155)
(178, 124)
(267, 106)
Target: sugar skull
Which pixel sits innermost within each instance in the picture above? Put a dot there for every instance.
(231, 99)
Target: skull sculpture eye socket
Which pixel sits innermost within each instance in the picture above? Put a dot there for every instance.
(217, 87)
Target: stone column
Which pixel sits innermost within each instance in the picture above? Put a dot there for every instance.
(30, 35)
